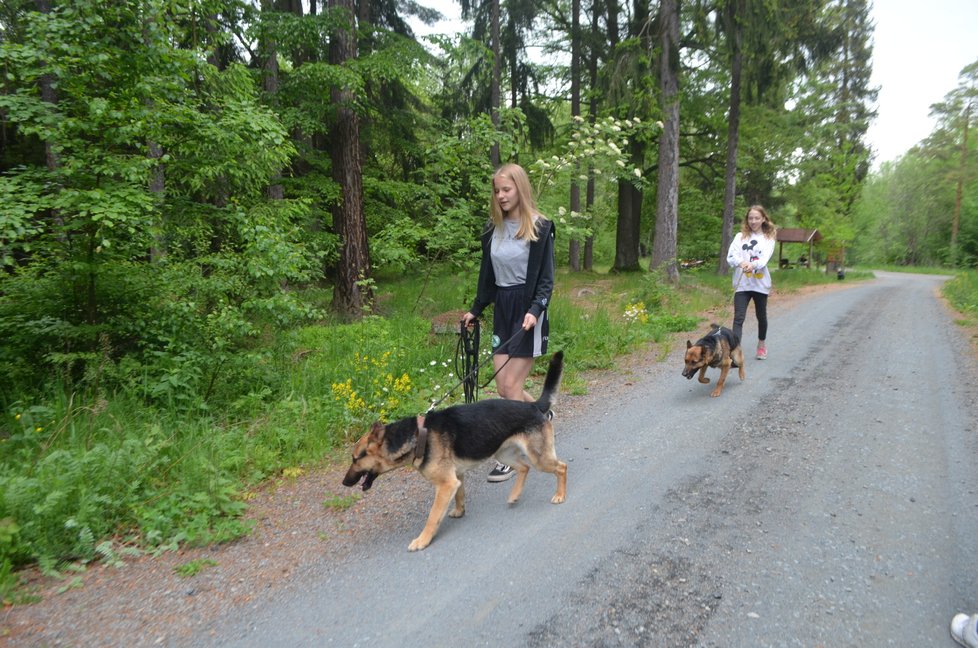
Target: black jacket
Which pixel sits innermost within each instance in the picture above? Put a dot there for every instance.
(539, 271)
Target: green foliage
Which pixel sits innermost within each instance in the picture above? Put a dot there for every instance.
(910, 209)
(599, 149)
(194, 567)
(72, 497)
(11, 589)
(83, 304)
(340, 503)
(962, 292)
(699, 221)
(905, 214)
(194, 518)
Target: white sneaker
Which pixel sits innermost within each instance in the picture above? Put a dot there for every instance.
(964, 630)
(501, 472)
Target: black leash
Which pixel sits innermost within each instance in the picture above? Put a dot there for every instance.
(467, 355)
(471, 376)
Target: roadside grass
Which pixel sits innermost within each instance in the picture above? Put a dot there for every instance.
(193, 567)
(92, 477)
(340, 502)
(962, 292)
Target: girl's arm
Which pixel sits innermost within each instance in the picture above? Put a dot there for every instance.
(734, 253)
(765, 252)
(545, 281)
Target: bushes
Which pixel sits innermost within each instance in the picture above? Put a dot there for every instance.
(145, 471)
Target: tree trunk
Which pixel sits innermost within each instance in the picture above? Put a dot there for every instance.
(352, 294)
(269, 51)
(157, 174)
(626, 254)
(611, 12)
(494, 90)
(959, 190)
(667, 198)
(628, 234)
(733, 137)
(157, 186)
(48, 95)
(629, 228)
(575, 189)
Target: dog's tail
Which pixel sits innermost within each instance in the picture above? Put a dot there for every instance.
(551, 382)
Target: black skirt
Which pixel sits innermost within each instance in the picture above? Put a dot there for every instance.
(508, 336)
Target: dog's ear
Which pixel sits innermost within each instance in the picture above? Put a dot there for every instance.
(377, 431)
(688, 344)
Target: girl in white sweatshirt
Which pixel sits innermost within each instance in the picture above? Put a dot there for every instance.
(749, 254)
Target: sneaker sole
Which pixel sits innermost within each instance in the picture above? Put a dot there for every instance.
(500, 478)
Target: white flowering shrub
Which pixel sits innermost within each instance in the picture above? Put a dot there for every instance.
(600, 149)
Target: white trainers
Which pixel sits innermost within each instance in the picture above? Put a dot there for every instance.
(964, 629)
(501, 472)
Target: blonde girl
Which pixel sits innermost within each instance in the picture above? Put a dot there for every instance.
(517, 275)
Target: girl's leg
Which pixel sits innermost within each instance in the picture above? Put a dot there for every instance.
(741, 299)
(511, 379)
(760, 308)
(509, 384)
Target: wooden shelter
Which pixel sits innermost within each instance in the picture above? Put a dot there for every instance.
(796, 235)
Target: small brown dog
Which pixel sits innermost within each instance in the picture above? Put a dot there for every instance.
(719, 348)
(443, 444)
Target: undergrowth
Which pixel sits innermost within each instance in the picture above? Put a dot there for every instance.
(962, 292)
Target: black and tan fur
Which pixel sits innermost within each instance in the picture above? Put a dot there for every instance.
(719, 348)
(457, 438)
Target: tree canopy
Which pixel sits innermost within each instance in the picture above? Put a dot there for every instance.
(207, 159)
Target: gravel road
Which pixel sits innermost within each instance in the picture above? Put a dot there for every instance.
(828, 500)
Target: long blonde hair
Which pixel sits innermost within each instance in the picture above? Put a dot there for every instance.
(527, 207)
(768, 228)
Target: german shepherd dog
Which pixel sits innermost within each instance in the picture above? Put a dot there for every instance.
(443, 444)
(719, 348)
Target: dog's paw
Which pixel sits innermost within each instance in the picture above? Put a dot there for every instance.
(457, 513)
(513, 499)
(704, 380)
(715, 393)
(419, 543)
(557, 499)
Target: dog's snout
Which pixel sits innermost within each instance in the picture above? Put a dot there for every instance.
(352, 477)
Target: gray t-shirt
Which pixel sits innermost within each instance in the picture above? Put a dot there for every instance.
(510, 255)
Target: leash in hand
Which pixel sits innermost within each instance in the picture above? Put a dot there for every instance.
(467, 354)
(467, 361)
(740, 280)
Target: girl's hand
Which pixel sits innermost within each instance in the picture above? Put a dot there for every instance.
(529, 321)
(467, 320)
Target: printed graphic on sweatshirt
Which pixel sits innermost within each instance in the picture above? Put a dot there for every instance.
(753, 255)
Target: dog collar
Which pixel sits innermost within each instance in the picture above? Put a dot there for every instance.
(421, 442)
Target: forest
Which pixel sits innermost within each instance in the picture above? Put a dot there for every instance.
(203, 203)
